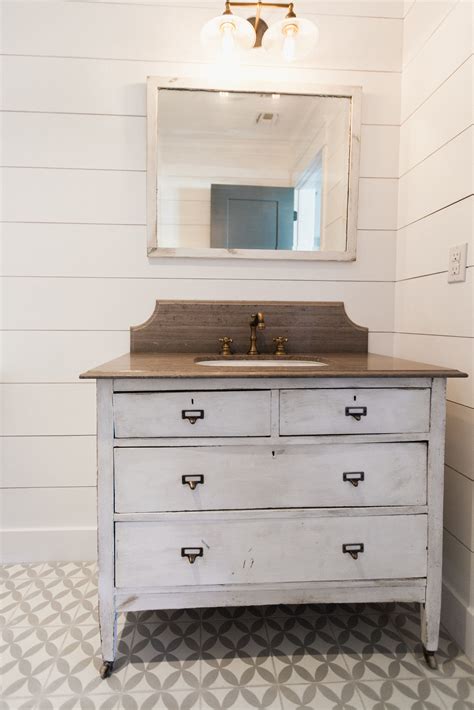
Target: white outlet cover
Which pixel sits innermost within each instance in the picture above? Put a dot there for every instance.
(457, 263)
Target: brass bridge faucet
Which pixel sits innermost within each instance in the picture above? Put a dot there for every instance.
(257, 321)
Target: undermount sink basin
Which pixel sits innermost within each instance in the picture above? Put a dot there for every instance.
(261, 363)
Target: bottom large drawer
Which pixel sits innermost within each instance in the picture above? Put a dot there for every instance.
(282, 548)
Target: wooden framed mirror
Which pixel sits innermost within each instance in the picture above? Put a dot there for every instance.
(250, 171)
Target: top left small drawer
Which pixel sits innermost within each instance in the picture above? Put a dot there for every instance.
(192, 414)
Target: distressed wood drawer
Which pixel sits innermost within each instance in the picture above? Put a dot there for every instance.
(280, 548)
(226, 477)
(354, 411)
(192, 414)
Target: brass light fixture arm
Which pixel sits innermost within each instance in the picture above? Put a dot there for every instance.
(288, 5)
(259, 25)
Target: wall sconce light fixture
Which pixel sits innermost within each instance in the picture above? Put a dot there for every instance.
(226, 35)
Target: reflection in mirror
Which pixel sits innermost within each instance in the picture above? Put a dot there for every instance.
(252, 171)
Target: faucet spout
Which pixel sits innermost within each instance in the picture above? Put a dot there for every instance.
(257, 321)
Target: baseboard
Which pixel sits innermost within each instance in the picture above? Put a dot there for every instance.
(47, 545)
(458, 619)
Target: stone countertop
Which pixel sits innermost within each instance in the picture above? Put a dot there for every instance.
(184, 365)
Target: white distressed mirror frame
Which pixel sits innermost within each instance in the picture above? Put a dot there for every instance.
(155, 83)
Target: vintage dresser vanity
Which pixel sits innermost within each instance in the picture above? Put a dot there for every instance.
(266, 482)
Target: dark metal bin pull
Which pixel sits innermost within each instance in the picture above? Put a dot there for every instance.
(356, 412)
(353, 548)
(191, 553)
(192, 415)
(192, 480)
(353, 477)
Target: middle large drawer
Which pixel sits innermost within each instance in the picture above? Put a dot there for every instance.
(244, 477)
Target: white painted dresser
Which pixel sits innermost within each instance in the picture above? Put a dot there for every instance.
(223, 488)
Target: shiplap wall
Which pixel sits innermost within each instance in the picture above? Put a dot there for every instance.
(73, 233)
(436, 211)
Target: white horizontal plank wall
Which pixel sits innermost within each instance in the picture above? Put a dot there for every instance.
(73, 242)
(434, 320)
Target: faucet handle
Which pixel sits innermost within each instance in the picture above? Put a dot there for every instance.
(225, 347)
(280, 342)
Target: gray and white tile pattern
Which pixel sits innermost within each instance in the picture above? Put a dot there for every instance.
(313, 657)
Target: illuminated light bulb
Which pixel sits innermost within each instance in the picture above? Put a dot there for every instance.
(293, 37)
(228, 41)
(227, 35)
(289, 43)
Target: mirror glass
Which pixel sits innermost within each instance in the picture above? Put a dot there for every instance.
(252, 171)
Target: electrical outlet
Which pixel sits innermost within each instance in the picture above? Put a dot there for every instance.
(457, 263)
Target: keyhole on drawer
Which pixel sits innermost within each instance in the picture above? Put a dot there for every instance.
(192, 400)
(355, 398)
(273, 453)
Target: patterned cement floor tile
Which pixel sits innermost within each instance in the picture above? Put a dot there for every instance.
(32, 571)
(456, 693)
(373, 608)
(452, 662)
(50, 602)
(321, 696)
(279, 611)
(162, 700)
(88, 608)
(217, 614)
(80, 702)
(12, 593)
(164, 657)
(400, 695)
(373, 650)
(168, 615)
(304, 651)
(76, 672)
(310, 657)
(251, 698)
(28, 655)
(18, 703)
(69, 569)
(235, 653)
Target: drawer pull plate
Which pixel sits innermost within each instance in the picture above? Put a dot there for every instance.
(356, 412)
(353, 548)
(191, 553)
(353, 477)
(192, 480)
(192, 415)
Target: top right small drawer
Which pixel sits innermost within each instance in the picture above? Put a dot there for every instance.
(307, 412)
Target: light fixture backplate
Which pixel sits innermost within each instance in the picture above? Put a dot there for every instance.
(260, 29)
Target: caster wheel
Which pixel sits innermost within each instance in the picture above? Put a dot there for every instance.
(106, 669)
(430, 659)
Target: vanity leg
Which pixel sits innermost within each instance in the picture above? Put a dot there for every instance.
(431, 609)
(105, 515)
(430, 633)
(108, 637)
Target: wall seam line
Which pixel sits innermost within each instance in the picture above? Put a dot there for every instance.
(444, 207)
(457, 539)
(433, 152)
(208, 65)
(464, 475)
(404, 120)
(440, 24)
(460, 404)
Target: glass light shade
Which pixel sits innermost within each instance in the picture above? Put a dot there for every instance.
(293, 38)
(227, 35)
